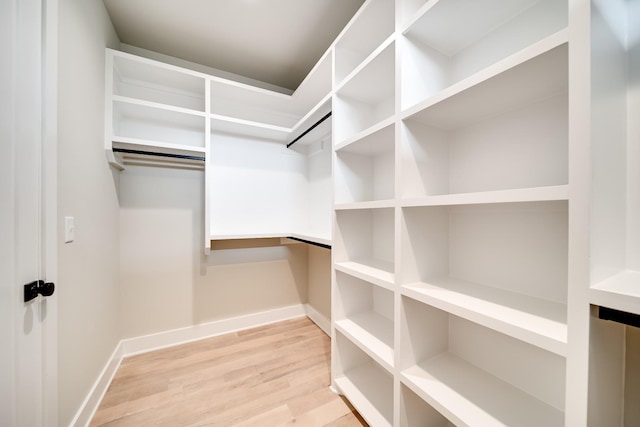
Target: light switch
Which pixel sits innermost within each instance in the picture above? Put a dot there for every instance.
(69, 229)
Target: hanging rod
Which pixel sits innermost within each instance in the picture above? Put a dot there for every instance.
(316, 124)
(153, 153)
(310, 242)
(624, 317)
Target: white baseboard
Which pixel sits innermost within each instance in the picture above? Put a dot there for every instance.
(319, 319)
(174, 337)
(146, 343)
(92, 401)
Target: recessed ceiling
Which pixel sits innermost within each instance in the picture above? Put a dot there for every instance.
(273, 41)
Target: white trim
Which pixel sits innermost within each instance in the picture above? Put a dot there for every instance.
(96, 394)
(147, 343)
(319, 319)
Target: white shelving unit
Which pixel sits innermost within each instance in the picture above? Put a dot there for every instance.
(157, 113)
(475, 376)
(614, 194)
(470, 145)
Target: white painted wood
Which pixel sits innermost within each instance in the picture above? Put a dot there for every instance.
(523, 148)
(519, 248)
(364, 314)
(373, 23)
(620, 291)
(367, 97)
(364, 169)
(365, 239)
(536, 321)
(535, 194)
(464, 366)
(530, 75)
(148, 80)
(158, 124)
(367, 385)
(469, 396)
(453, 40)
(28, 217)
(415, 412)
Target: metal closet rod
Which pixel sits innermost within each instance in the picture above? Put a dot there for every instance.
(310, 242)
(153, 153)
(624, 317)
(313, 126)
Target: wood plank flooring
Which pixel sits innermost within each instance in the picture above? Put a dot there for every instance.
(275, 375)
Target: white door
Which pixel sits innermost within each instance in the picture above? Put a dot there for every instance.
(27, 212)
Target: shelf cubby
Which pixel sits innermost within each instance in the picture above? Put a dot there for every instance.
(367, 97)
(476, 376)
(415, 412)
(364, 169)
(364, 244)
(502, 266)
(366, 384)
(152, 81)
(451, 40)
(373, 24)
(133, 120)
(523, 148)
(364, 313)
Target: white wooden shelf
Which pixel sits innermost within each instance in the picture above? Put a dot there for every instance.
(281, 235)
(470, 396)
(373, 270)
(449, 41)
(535, 321)
(620, 291)
(150, 146)
(376, 20)
(367, 97)
(531, 75)
(370, 392)
(149, 80)
(364, 170)
(365, 133)
(536, 194)
(373, 333)
(375, 204)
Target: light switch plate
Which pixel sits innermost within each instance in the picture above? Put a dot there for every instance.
(69, 229)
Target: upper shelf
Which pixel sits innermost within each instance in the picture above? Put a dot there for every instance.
(154, 105)
(524, 78)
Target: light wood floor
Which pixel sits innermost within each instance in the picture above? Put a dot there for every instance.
(275, 375)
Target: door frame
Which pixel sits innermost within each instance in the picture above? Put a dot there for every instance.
(50, 204)
(41, 14)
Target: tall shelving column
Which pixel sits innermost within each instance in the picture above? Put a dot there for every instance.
(451, 216)
(484, 199)
(611, 35)
(363, 286)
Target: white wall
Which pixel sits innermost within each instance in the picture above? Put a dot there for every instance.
(88, 297)
(319, 280)
(167, 282)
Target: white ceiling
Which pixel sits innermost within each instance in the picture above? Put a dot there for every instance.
(274, 41)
